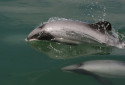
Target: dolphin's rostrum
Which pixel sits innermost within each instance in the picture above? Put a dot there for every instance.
(76, 32)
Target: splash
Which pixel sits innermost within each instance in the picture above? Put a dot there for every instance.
(94, 10)
(53, 19)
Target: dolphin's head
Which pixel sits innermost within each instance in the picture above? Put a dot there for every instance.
(39, 34)
(72, 67)
(76, 68)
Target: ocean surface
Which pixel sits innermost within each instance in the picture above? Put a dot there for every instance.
(40, 63)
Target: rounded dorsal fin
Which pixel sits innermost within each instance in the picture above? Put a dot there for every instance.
(102, 26)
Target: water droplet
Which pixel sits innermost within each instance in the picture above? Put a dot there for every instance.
(96, 2)
(103, 20)
(104, 14)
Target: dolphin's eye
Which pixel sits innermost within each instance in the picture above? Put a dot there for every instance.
(41, 27)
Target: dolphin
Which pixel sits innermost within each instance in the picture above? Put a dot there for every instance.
(76, 32)
(99, 69)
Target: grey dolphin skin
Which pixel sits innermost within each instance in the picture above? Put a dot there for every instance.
(99, 69)
(76, 32)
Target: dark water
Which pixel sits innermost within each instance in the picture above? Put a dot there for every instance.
(20, 64)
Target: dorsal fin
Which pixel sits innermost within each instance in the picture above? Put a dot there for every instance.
(102, 26)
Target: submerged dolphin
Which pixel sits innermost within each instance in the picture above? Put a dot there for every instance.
(76, 32)
(99, 69)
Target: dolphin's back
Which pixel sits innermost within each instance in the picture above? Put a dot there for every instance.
(75, 31)
(106, 68)
(78, 25)
(66, 25)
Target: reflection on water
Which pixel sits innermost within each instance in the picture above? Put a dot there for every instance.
(63, 51)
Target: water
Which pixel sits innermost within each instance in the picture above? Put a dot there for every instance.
(22, 65)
